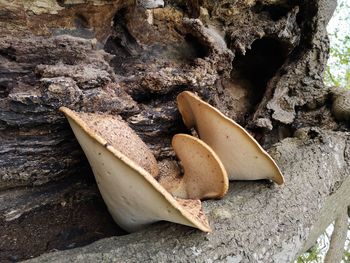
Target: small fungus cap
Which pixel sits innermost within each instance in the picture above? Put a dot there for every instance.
(204, 174)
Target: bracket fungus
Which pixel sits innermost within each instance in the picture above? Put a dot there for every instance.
(204, 175)
(118, 134)
(241, 154)
(134, 198)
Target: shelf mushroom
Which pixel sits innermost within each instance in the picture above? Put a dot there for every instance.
(241, 154)
(134, 198)
(119, 135)
(204, 174)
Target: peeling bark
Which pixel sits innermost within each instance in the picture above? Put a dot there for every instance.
(259, 62)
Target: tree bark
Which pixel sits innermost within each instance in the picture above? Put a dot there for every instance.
(259, 62)
(255, 222)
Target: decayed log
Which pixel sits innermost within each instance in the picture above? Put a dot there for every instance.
(259, 62)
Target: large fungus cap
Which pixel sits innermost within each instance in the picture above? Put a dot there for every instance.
(118, 134)
(134, 198)
(241, 154)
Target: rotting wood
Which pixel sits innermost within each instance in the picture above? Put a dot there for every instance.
(115, 57)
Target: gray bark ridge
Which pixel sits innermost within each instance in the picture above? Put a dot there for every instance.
(255, 222)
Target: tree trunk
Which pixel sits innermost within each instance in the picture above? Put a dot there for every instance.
(259, 62)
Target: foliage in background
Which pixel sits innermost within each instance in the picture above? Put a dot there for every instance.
(346, 257)
(338, 66)
(312, 255)
(317, 253)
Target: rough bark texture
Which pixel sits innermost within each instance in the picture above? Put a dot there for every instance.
(260, 62)
(255, 222)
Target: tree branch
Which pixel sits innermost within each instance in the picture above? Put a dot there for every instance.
(336, 248)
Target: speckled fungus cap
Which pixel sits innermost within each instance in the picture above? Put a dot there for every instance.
(241, 154)
(134, 198)
(118, 134)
